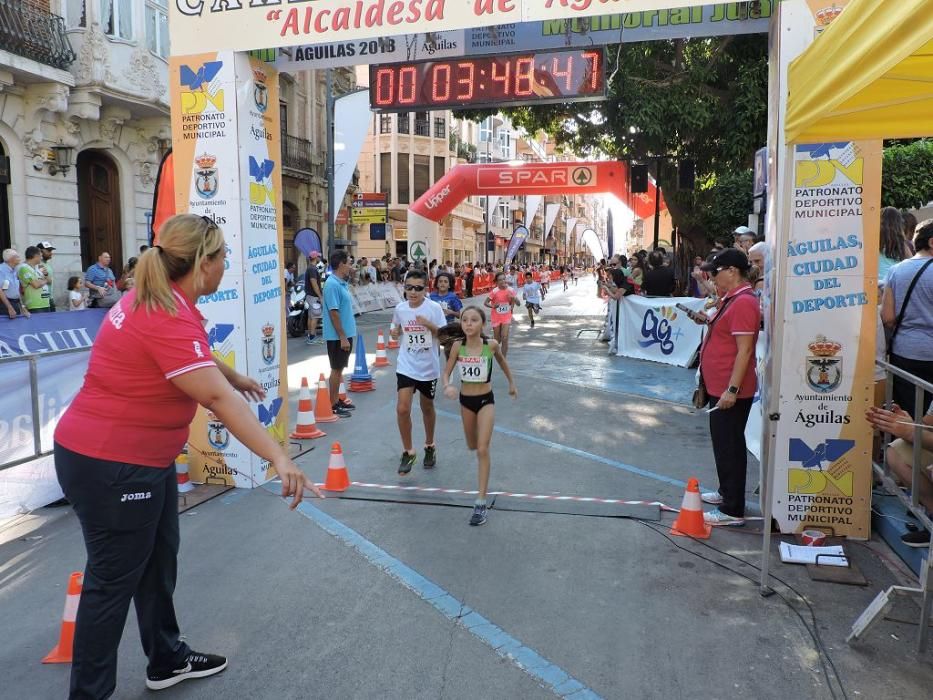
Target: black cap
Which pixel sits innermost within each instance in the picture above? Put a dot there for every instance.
(730, 257)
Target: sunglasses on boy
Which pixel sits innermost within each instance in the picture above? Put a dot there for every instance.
(414, 287)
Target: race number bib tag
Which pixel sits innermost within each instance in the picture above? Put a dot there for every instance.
(418, 340)
(503, 308)
(471, 369)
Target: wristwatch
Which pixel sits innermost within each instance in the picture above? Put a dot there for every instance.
(733, 390)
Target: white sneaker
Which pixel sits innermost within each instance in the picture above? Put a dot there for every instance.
(717, 518)
(711, 497)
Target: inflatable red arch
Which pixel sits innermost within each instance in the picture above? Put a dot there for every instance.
(515, 179)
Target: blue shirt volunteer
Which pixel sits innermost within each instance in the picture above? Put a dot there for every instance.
(337, 298)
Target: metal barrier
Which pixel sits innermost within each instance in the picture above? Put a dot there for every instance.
(883, 601)
(33, 361)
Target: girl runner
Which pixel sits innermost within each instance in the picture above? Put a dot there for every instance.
(501, 300)
(472, 354)
(443, 295)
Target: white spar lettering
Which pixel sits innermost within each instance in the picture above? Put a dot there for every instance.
(536, 177)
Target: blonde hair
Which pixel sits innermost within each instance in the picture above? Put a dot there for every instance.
(185, 240)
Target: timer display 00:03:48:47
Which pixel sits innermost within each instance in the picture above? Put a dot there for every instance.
(541, 77)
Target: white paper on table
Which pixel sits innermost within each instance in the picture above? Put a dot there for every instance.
(798, 554)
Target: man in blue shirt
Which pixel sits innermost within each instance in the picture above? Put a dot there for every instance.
(99, 279)
(339, 327)
(9, 284)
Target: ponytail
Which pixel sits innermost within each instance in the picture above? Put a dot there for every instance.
(184, 241)
(453, 331)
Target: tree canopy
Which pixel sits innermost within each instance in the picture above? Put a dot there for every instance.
(699, 99)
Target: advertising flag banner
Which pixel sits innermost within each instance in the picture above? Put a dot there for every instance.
(262, 24)
(515, 242)
(351, 124)
(653, 328)
(225, 128)
(550, 216)
(822, 445)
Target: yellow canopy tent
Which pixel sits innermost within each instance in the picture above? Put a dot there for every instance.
(868, 76)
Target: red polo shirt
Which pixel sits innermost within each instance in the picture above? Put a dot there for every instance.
(739, 314)
(128, 410)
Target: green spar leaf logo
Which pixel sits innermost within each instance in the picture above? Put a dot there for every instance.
(582, 176)
(417, 250)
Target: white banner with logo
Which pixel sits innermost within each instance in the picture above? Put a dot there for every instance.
(653, 328)
(199, 25)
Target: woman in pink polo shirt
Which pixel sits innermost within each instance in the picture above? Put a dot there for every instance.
(115, 449)
(727, 369)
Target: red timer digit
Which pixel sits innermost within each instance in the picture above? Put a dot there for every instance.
(557, 75)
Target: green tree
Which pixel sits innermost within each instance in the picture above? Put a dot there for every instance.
(907, 175)
(699, 99)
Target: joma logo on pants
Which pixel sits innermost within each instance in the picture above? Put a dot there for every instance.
(141, 496)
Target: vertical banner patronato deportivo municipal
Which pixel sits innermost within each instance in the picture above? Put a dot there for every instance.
(823, 446)
(226, 144)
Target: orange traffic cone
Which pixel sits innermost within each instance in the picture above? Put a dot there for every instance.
(61, 654)
(393, 342)
(382, 360)
(323, 411)
(690, 521)
(181, 471)
(337, 477)
(305, 428)
(342, 394)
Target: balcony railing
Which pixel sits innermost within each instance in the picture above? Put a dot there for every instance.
(32, 34)
(422, 127)
(296, 154)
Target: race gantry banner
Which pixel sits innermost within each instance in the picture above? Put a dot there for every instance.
(731, 19)
(225, 133)
(243, 25)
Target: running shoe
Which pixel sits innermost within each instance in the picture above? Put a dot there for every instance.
(314, 340)
(197, 665)
(407, 462)
(479, 515)
(532, 323)
(341, 411)
(717, 518)
(347, 406)
(921, 538)
(430, 457)
(711, 497)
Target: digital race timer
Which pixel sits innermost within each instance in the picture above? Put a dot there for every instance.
(489, 81)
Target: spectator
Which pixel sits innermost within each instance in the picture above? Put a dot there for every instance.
(468, 280)
(659, 279)
(45, 267)
(339, 328)
(314, 296)
(698, 279)
(893, 247)
(77, 294)
(744, 238)
(910, 228)
(101, 282)
(368, 270)
(727, 373)
(756, 256)
(9, 284)
(126, 281)
(912, 337)
(34, 283)
(638, 274)
(289, 276)
(900, 458)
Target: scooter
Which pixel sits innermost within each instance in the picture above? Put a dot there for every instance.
(297, 322)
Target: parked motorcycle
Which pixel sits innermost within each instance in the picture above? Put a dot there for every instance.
(297, 322)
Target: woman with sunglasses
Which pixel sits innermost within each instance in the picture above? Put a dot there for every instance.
(115, 454)
(727, 371)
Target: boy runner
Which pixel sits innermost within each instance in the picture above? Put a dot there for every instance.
(418, 319)
(532, 293)
(545, 282)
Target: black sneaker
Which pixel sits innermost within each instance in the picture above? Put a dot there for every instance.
(346, 406)
(430, 457)
(341, 411)
(197, 665)
(479, 515)
(532, 323)
(406, 462)
(921, 538)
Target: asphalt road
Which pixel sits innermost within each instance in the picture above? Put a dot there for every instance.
(400, 598)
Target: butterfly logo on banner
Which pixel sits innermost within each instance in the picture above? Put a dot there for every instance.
(260, 190)
(222, 344)
(196, 98)
(267, 416)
